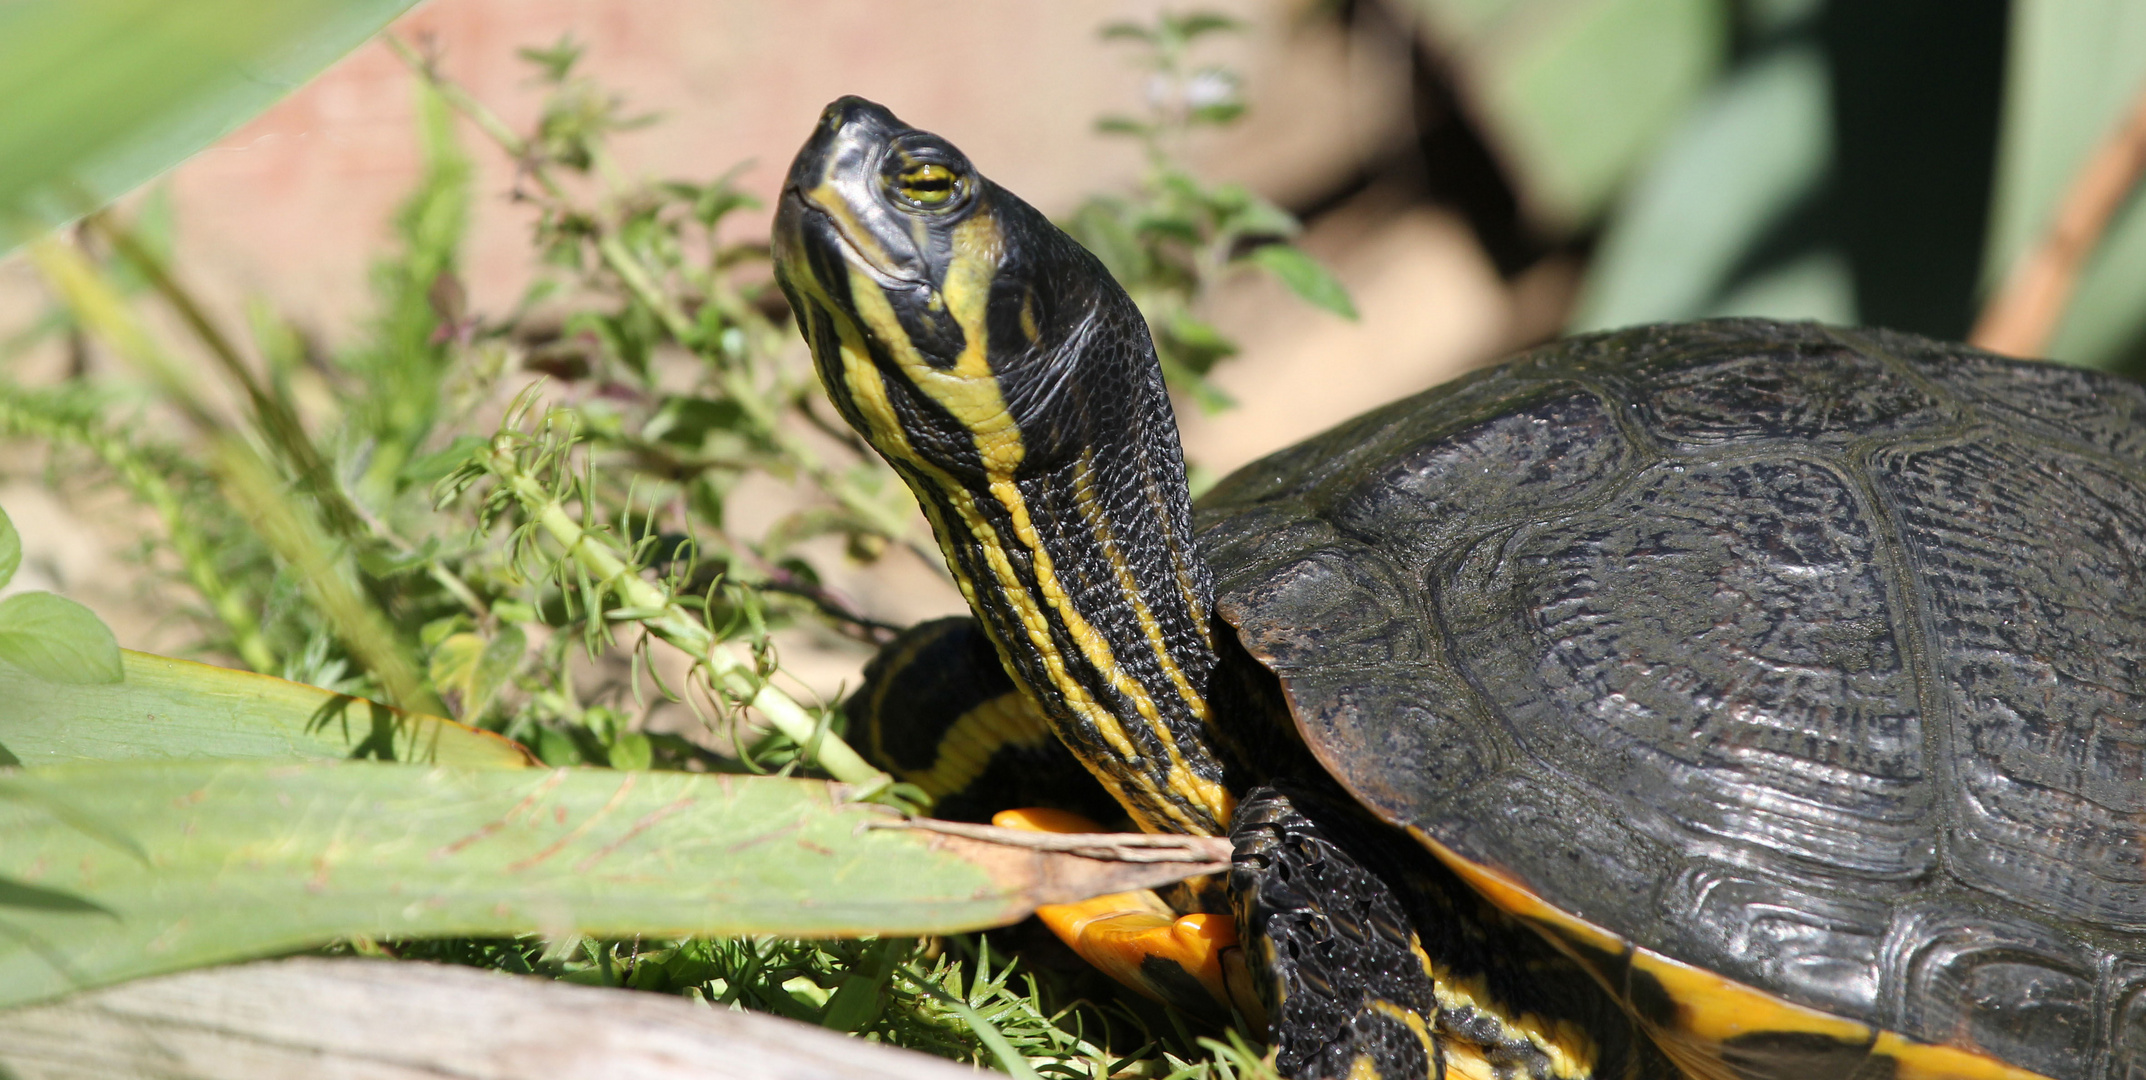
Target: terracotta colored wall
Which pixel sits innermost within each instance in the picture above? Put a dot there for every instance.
(293, 205)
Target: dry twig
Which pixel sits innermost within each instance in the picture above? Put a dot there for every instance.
(2022, 317)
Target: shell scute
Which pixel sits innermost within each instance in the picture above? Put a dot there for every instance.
(2030, 565)
(1815, 390)
(1729, 669)
(2057, 403)
(1539, 457)
(2009, 987)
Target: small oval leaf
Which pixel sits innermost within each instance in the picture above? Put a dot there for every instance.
(1305, 277)
(10, 548)
(55, 638)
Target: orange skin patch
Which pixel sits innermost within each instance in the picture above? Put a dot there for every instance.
(1119, 932)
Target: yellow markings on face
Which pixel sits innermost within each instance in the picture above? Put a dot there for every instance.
(1363, 1068)
(965, 748)
(826, 198)
(1029, 329)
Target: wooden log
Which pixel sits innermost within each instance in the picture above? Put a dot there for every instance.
(382, 1020)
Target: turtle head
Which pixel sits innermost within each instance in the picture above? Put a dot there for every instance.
(1013, 386)
(947, 316)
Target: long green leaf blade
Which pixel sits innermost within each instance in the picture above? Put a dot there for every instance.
(167, 708)
(1759, 147)
(102, 95)
(243, 859)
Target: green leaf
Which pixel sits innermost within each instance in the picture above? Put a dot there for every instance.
(253, 858)
(1122, 125)
(633, 750)
(2075, 66)
(556, 63)
(430, 469)
(1218, 114)
(1576, 93)
(469, 670)
(1305, 277)
(10, 549)
(1199, 24)
(105, 94)
(178, 709)
(59, 640)
(15, 894)
(1757, 149)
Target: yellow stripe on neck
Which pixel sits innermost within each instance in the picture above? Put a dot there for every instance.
(969, 391)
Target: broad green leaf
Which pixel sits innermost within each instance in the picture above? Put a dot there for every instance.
(102, 95)
(10, 548)
(178, 709)
(1305, 277)
(1757, 150)
(1575, 93)
(243, 859)
(55, 638)
(2075, 67)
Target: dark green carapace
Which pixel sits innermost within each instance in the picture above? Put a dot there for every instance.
(1731, 700)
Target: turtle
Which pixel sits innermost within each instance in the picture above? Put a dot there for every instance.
(1729, 699)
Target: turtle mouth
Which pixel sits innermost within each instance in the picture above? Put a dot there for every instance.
(803, 220)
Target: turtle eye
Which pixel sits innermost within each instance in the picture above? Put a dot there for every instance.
(928, 185)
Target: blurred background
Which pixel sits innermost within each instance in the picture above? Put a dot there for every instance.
(1479, 175)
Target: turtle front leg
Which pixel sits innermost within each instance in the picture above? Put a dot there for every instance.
(1346, 990)
(1373, 962)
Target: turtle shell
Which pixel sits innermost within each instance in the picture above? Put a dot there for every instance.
(1792, 677)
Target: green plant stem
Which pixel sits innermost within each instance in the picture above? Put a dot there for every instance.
(279, 423)
(150, 487)
(299, 539)
(102, 312)
(662, 616)
(634, 274)
(475, 111)
(247, 480)
(629, 270)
